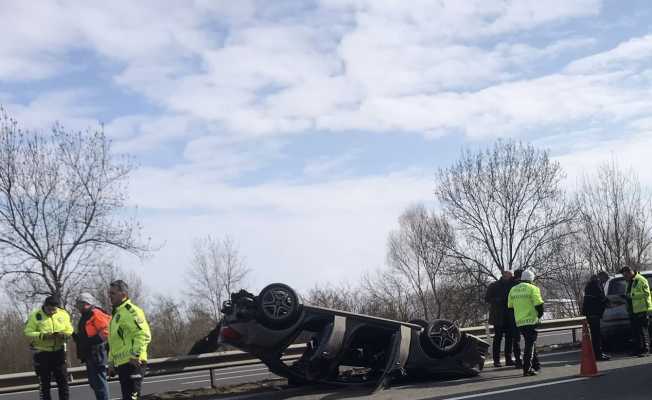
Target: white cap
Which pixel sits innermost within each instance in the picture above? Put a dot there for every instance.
(87, 298)
(527, 275)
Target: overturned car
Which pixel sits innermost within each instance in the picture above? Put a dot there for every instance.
(342, 347)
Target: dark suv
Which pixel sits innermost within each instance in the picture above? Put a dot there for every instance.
(342, 347)
(615, 321)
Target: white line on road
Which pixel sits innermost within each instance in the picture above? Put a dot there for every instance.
(471, 396)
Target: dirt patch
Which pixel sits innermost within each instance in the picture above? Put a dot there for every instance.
(271, 385)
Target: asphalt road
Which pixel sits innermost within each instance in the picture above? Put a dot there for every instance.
(159, 384)
(623, 377)
(223, 377)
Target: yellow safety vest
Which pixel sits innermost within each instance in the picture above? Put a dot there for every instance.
(39, 324)
(524, 298)
(129, 334)
(639, 294)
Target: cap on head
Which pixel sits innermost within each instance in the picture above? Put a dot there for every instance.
(518, 273)
(527, 275)
(53, 301)
(120, 285)
(87, 298)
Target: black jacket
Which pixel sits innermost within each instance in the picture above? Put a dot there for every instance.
(595, 301)
(93, 348)
(496, 296)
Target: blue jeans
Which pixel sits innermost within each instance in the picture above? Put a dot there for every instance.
(97, 379)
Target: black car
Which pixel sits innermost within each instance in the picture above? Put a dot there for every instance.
(343, 347)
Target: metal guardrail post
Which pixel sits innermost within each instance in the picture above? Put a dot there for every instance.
(574, 335)
(212, 374)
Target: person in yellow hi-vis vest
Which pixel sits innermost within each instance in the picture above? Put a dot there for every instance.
(639, 304)
(526, 300)
(48, 328)
(129, 337)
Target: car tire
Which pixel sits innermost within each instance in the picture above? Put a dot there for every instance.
(277, 306)
(444, 337)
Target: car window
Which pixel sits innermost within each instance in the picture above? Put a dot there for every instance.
(617, 286)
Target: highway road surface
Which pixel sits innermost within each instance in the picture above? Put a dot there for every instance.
(624, 377)
(159, 384)
(224, 377)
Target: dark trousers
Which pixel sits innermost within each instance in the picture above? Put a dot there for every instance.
(530, 358)
(512, 342)
(97, 379)
(596, 338)
(131, 380)
(640, 333)
(48, 364)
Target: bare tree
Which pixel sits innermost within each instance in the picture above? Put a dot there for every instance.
(418, 251)
(566, 286)
(168, 326)
(615, 215)
(217, 269)
(98, 285)
(340, 297)
(61, 199)
(506, 203)
(388, 296)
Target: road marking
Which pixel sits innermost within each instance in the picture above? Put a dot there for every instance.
(471, 396)
(228, 377)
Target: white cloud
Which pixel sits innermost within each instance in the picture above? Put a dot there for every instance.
(286, 231)
(623, 57)
(72, 108)
(630, 150)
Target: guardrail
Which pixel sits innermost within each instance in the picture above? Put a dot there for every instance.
(214, 361)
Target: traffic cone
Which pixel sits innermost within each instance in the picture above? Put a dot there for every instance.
(588, 367)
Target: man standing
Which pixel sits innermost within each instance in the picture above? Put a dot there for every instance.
(593, 307)
(129, 336)
(48, 328)
(496, 296)
(525, 299)
(639, 304)
(511, 321)
(91, 337)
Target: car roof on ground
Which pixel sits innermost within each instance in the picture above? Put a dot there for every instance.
(640, 272)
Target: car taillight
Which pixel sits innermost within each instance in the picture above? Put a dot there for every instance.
(228, 333)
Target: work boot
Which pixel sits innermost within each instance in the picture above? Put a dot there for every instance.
(518, 364)
(602, 357)
(509, 362)
(530, 373)
(497, 364)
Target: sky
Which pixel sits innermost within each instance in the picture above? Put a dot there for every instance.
(303, 129)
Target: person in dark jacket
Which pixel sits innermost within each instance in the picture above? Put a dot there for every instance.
(496, 297)
(91, 337)
(593, 306)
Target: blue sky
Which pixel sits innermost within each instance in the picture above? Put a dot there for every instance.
(303, 129)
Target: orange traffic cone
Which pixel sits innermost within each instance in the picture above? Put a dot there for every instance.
(588, 367)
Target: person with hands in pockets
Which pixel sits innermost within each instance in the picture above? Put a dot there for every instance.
(129, 337)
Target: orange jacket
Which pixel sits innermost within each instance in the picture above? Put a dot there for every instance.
(98, 324)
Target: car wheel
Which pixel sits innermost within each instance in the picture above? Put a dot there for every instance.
(278, 305)
(444, 336)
